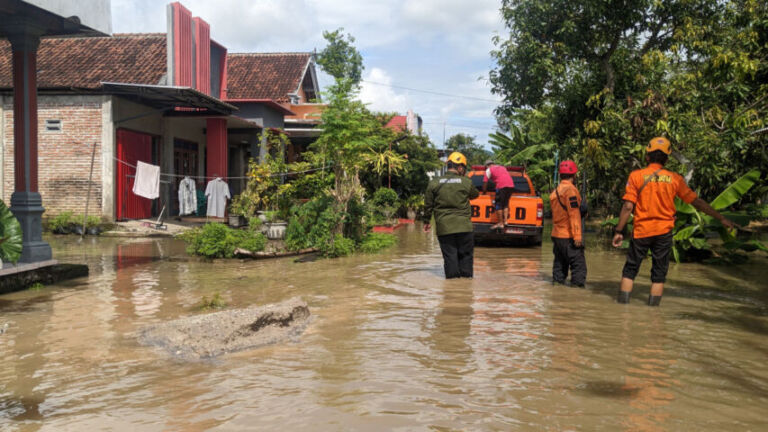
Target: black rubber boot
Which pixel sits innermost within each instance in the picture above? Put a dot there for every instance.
(623, 297)
(654, 300)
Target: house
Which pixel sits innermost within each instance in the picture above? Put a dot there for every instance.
(411, 122)
(170, 99)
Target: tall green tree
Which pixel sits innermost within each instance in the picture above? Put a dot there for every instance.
(609, 75)
(340, 59)
(466, 145)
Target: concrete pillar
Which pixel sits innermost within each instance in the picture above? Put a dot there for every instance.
(166, 166)
(108, 162)
(26, 203)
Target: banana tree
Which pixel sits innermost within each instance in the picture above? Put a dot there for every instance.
(517, 149)
(10, 235)
(693, 227)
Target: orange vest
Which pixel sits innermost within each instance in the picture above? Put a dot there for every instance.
(566, 217)
(655, 206)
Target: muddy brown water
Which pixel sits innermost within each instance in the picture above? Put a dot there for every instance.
(391, 346)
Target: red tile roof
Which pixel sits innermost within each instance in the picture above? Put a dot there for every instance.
(398, 122)
(265, 75)
(85, 62)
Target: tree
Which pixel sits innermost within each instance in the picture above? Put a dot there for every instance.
(466, 145)
(340, 59)
(609, 75)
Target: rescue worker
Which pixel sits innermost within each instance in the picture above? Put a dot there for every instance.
(650, 194)
(567, 241)
(504, 187)
(447, 197)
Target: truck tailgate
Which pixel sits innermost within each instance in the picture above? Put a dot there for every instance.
(523, 210)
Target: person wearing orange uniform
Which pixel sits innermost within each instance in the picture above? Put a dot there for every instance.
(650, 194)
(567, 242)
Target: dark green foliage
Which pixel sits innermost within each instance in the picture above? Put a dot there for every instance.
(599, 79)
(10, 235)
(215, 240)
(341, 246)
(374, 242)
(384, 204)
(311, 224)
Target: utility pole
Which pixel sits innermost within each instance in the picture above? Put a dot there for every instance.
(443, 134)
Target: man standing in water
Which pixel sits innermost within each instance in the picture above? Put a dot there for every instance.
(447, 197)
(567, 242)
(651, 193)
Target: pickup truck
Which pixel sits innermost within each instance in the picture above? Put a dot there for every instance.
(526, 210)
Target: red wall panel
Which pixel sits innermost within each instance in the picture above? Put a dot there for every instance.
(216, 147)
(182, 45)
(131, 148)
(202, 56)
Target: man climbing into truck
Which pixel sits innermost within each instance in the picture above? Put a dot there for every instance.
(504, 187)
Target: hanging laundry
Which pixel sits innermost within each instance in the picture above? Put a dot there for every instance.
(147, 181)
(187, 196)
(217, 192)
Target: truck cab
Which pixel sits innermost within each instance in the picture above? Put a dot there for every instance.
(526, 209)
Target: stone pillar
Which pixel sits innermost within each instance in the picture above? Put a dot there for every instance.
(26, 203)
(264, 150)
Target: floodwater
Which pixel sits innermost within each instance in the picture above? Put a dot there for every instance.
(391, 346)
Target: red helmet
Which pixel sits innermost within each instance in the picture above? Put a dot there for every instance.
(568, 167)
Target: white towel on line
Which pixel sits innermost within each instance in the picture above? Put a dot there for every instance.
(147, 181)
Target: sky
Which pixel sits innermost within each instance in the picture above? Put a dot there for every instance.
(411, 49)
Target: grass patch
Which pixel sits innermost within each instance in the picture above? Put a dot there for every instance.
(37, 286)
(374, 242)
(215, 302)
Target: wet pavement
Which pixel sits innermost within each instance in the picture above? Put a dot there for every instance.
(391, 345)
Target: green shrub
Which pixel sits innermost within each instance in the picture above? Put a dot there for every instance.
(215, 240)
(60, 222)
(311, 224)
(215, 302)
(384, 205)
(340, 246)
(374, 242)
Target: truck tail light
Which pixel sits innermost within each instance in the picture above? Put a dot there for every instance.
(539, 211)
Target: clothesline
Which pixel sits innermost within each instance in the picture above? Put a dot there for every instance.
(227, 178)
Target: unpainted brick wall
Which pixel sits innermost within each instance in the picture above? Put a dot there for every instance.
(64, 157)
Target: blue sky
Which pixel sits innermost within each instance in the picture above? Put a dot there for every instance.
(435, 45)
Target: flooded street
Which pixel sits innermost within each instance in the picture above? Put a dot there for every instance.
(391, 345)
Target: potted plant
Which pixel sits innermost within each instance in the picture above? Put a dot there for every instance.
(414, 205)
(274, 227)
(239, 211)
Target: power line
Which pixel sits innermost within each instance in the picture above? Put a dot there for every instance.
(432, 92)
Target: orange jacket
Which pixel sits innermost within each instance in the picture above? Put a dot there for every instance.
(566, 217)
(655, 207)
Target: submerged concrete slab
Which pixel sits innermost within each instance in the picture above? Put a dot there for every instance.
(210, 335)
(22, 276)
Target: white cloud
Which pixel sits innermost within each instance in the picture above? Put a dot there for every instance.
(380, 97)
(436, 45)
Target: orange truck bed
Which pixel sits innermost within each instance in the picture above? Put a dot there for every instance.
(526, 208)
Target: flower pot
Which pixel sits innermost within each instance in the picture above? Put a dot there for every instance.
(236, 221)
(411, 214)
(276, 230)
(261, 215)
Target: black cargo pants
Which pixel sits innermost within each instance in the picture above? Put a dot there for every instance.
(568, 256)
(458, 254)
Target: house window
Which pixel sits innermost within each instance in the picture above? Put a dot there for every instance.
(52, 125)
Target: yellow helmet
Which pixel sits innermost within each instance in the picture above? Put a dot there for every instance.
(457, 158)
(659, 143)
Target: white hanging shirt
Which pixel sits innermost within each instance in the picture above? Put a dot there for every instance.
(217, 192)
(147, 181)
(187, 196)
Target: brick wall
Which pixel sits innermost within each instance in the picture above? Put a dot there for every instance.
(64, 157)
